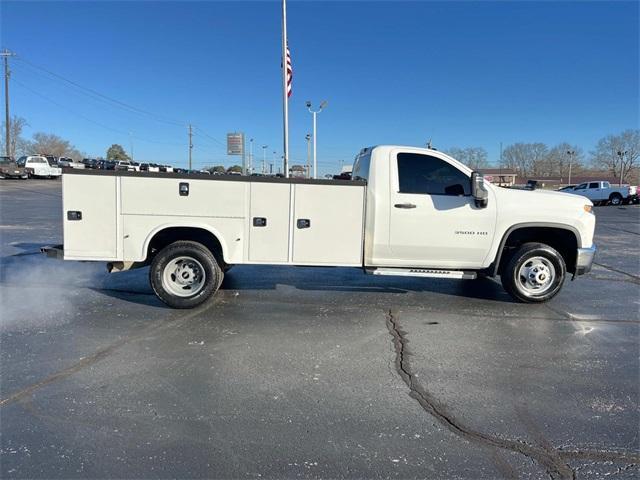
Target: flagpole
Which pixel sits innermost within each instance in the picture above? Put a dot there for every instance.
(285, 97)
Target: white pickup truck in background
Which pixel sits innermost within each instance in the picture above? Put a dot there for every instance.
(407, 211)
(603, 192)
(39, 166)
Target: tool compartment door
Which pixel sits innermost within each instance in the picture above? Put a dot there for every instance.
(90, 217)
(328, 224)
(269, 222)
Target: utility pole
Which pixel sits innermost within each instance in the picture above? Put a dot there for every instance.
(250, 156)
(308, 139)
(190, 144)
(7, 123)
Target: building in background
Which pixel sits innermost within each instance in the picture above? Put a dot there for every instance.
(503, 177)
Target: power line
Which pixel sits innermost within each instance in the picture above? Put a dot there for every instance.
(64, 107)
(210, 137)
(100, 96)
(105, 97)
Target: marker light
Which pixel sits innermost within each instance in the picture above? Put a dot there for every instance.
(587, 208)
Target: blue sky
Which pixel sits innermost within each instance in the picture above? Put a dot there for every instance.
(462, 74)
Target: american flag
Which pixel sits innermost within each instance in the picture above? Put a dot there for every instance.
(289, 72)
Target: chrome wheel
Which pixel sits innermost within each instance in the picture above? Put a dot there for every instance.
(183, 276)
(616, 200)
(536, 276)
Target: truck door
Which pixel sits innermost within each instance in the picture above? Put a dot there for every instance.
(595, 192)
(434, 221)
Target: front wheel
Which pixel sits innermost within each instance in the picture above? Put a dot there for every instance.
(534, 273)
(185, 274)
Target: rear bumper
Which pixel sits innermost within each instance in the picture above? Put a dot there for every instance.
(584, 260)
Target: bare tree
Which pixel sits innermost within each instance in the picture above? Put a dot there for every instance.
(50, 144)
(526, 158)
(618, 154)
(558, 160)
(473, 157)
(18, 145)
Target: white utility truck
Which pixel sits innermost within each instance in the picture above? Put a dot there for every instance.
(407, 211)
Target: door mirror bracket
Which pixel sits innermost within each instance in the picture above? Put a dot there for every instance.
(478, 190)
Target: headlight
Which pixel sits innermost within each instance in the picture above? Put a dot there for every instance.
(587, 208)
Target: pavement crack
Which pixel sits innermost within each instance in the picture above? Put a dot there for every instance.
(634, 278)
(551, 459)
(99, 355)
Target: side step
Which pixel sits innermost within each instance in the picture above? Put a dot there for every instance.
(423, 272)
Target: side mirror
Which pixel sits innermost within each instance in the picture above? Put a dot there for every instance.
(478, 190)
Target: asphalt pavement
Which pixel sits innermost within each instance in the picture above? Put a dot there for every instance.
(312, 372)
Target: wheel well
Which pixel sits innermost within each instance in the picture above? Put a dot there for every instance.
(563, 240)
(172, 234)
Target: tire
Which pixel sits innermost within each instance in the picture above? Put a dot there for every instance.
(615, 199)
(185, 274)
(543, 262)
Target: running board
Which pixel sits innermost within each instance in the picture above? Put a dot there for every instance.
(423, 272)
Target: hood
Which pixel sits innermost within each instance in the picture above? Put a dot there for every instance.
(547, 197)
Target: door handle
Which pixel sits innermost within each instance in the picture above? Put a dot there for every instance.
(404, 205)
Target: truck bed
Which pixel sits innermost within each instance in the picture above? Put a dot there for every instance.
(113, 215)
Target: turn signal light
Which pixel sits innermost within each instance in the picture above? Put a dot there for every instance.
(587, 208)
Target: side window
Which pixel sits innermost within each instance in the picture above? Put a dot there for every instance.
(582, 186)
(606, 185)
(429, 175)
(361, 167)
(594, 185)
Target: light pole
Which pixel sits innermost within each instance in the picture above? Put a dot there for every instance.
(621, 154)
(250, 156)
(571, 154)
(308, 139)
(264, 158)
(323, 104)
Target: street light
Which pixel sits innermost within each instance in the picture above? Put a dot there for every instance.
(621, 154)
(323, 104)
(250, 156)
(571, 154)
(308, 139)
(264, 158)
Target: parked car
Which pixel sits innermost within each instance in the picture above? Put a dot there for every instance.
(126, 166)
(90, 163)
(106, 165)
(566, 188)
(69, 163)
(603, 193)
(10, 169)
(38, 166)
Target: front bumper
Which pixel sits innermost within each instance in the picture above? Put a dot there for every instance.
(584, 260)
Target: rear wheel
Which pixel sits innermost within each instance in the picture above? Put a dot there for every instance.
(615, 199)
(185, 274)
(534, 273)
